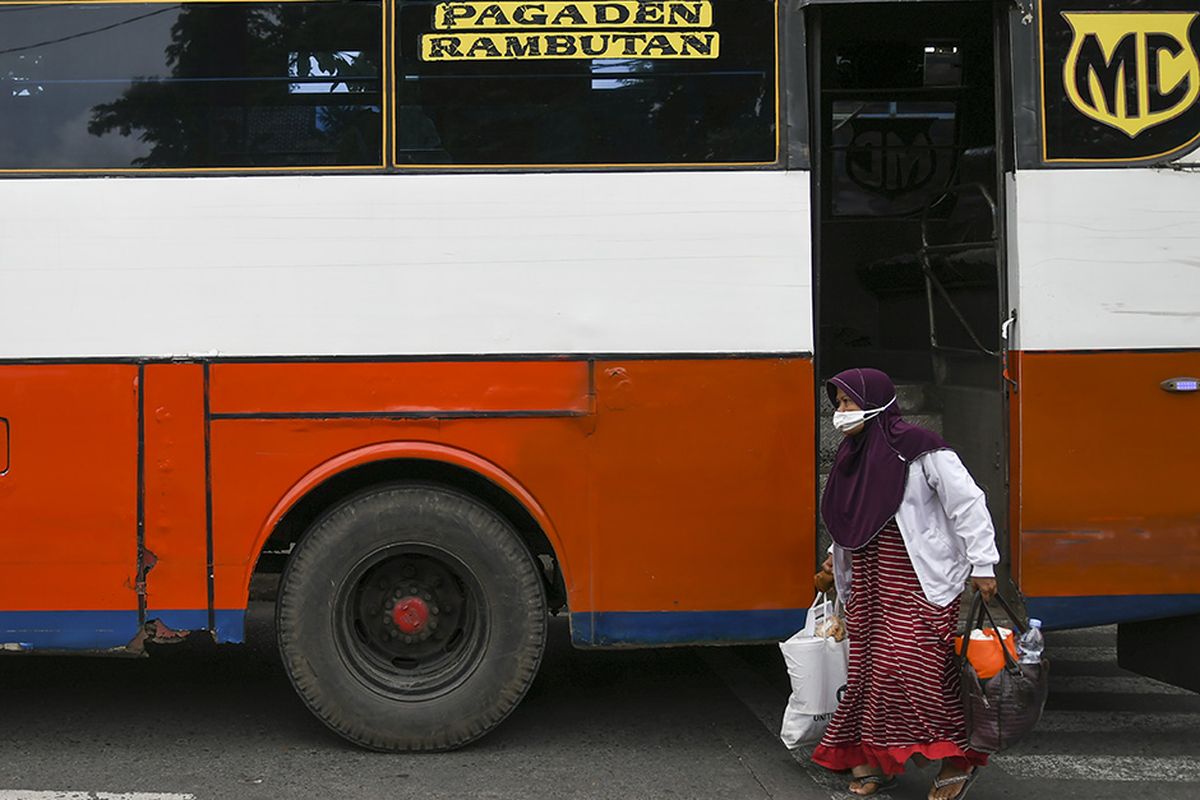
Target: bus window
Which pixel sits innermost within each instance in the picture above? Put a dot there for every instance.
(90, 86)
(695, 83)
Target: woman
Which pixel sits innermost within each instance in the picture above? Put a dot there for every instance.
(909, 526)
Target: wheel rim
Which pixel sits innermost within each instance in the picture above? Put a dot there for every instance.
(410, 621)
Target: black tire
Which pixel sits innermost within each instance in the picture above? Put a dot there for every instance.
(373, 671)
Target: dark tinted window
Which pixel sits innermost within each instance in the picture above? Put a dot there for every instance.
(616, 94)
(190, 85)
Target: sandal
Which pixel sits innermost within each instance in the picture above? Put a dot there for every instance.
(879, 782)
(966, 779)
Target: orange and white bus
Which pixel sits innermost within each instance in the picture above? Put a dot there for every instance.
(456, 314)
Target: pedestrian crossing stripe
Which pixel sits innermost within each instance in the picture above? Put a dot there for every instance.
(37, 794)
(1134, 769)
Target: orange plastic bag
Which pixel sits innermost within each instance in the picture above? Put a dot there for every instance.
(984, 653)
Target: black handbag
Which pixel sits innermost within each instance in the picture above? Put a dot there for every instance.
(1001, 710)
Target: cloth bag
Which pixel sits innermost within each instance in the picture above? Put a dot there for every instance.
(817, 668)
(1002, 709)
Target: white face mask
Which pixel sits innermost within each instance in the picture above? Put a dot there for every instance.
(846, 421)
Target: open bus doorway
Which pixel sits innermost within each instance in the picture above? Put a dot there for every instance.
(908, 220)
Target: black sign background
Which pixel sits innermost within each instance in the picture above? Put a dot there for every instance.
(1069, 135)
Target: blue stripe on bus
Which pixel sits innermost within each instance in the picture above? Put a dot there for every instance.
(67, 630)
(1057, 613)
(105, 630)
(611, 628)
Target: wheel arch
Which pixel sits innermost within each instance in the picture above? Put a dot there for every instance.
(349, 473)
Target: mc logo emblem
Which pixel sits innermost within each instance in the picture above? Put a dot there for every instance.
(1131, 70)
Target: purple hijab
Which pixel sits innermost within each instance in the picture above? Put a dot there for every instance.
(866, 485)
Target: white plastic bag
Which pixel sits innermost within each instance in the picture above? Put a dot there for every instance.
(817, 668)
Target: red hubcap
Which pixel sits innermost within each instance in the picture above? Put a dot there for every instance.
(410, 614)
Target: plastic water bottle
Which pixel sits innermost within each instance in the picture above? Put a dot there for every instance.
(1031, 644)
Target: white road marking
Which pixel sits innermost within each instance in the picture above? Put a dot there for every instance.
(32, 794)
(1101, 768)
(1096, 654)
(1106, 632)
(1113, 721)
(1072, 684)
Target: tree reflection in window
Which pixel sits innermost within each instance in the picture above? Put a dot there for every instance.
(193, 85)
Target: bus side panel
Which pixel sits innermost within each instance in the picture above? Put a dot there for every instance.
(175, 533)
(682, 505)
(705, 481)
(68, 506)
(1106, 505)
(1107, 288)
(274, 424)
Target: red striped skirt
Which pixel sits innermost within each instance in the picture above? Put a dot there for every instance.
(902, 693)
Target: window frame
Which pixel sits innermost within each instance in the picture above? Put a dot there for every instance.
(777, 146)
(385, 97)
(388, 163)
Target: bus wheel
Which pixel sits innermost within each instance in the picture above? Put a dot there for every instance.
(411, 617)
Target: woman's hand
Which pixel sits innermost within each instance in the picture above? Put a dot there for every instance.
(823, 580)
(986, 587)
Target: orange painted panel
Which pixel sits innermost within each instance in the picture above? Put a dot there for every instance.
(704, 485)
(68, 502)
(256, 462)
(1108, 472)
(690, 488)
(491, 386)
(1014, 467)
(175, 532)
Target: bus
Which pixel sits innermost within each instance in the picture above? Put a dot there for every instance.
(450, 316)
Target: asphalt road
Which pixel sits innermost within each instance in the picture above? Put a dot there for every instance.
(688, 723)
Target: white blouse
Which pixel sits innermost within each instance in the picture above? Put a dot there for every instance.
(946, 527)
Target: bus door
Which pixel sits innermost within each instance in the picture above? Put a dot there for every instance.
(908, 234)
(69, 505)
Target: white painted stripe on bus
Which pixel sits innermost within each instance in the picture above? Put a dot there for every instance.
(1106, 259)
(1109, 722)
(679, 262)
(1072, 684)
(1101, 768)
(32, 794)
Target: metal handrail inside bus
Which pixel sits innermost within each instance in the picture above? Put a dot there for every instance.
(931, 280)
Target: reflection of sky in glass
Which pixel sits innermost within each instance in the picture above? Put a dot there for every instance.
(47, 89)
(308, 66)
(612, 66)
